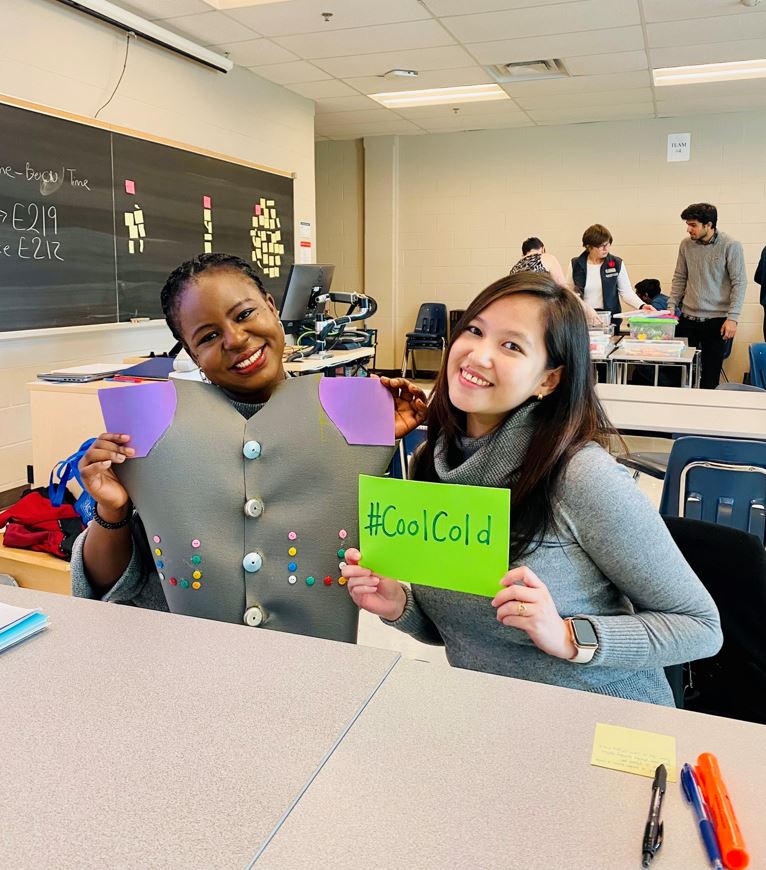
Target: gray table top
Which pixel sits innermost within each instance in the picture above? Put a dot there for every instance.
(137, 739)
(453, 769)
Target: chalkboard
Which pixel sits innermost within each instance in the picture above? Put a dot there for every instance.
(93, 221)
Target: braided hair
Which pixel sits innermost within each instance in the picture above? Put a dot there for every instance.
(171, 293)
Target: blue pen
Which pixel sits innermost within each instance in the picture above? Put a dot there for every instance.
(694, 796)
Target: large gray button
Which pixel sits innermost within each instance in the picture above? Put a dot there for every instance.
(252, 562)
(251, 449)
(253, 507)
(254, 616)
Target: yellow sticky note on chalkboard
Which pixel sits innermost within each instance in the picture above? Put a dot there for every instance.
(633, 751)
(128, 219)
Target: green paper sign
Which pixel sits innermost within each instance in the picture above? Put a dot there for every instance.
(435, 534)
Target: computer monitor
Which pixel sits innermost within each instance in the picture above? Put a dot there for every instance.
(296, 304)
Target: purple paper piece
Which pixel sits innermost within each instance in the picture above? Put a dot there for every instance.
(361, 408)
(143, 411)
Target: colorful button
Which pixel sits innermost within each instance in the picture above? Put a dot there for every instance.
(341, 565)
(161, 575)
(343, 534)
(251, 449)
(310, 581)
(253, 507)
(197, 574)
(292, 551)
(156, 539)
(158, 552)
(184, 584)
(342, 581)
(341, 553)
(292, 536)
(195, 560)
(196, 543)
(292, 579)
(252, 562)
(254, 616)
(292, 566)
(328, 580)
(160, 563)
(196, 584)
(173, 581)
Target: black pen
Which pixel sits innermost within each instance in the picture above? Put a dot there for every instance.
(653, 829)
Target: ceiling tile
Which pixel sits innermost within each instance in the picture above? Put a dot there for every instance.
(705, 105)
(686, 55)
(155, 9)
(391, 126)
(449, 125)
(254, 52)
(496, 109)
(600, 64)
(209, 28)
(290, 73)
(443, 57)
(323, 90)
(698, 31)
(345, 104)
(593, 113)
(363, 116)
(443, 78)
(539, 21)
(596, 98)
(364, 40)
(569, 45)
(613, 84)
(304, 16)
(661, 10)
(442, 8)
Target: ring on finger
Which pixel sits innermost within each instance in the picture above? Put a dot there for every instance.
(521, 609)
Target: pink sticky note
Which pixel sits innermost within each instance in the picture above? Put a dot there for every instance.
(361, 408)
(130, 186)
(207, 202)
(143, 411)
(257, 209)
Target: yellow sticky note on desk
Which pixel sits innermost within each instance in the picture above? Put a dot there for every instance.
(633, 751)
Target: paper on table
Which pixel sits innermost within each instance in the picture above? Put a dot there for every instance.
(633, 751)
(10, 614)
(144, 412)
(362, 408)
(436, 534)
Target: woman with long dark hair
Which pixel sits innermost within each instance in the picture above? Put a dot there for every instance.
(598, 597)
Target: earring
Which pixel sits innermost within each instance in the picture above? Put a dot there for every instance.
(540, 396)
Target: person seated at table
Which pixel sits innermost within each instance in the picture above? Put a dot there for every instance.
(592, 600)
(600, 277)
(650, 292)
(244, 471)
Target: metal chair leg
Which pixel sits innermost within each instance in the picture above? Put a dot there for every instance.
(404, 361)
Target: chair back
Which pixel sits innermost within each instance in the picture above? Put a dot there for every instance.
(732, 566)
(406, 447)
(432, 319)
(758, 364)
(718, 480)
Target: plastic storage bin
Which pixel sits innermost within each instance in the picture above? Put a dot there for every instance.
(665, 348)
(653, 328)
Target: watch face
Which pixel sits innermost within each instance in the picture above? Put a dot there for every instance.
(584, 633)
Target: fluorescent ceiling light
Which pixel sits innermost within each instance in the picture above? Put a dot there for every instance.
(150, 31)
(710, 72)
(440, 96)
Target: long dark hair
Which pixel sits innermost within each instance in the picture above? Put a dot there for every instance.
(564, 421)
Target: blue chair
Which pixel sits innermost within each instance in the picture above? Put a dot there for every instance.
(430, 333)
(758, 364)
(717, 480)
(405, 449)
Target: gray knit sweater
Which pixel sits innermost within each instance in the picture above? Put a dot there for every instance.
(710, 279)
(610, 559)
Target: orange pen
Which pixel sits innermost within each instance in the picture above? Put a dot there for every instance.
(733, 850)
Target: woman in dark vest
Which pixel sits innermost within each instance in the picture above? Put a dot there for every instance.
(600, 277)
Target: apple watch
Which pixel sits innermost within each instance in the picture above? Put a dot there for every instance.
(584, 638)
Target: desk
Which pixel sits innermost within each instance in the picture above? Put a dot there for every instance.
(132, 738)
(453, 769)
(688, 362)
(34, 570)
(334, 359)
(688, 412)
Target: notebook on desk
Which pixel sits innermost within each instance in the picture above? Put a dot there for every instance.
(155, 368)
(82, 374)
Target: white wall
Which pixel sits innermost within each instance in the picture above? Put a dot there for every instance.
(58, 57)
(460, 204)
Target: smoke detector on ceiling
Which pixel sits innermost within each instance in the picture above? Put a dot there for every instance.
(400, 74)
(527, 70)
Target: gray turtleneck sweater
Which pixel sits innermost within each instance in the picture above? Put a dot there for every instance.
(610, 559)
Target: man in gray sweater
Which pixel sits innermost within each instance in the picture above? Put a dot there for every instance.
(709, 285)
